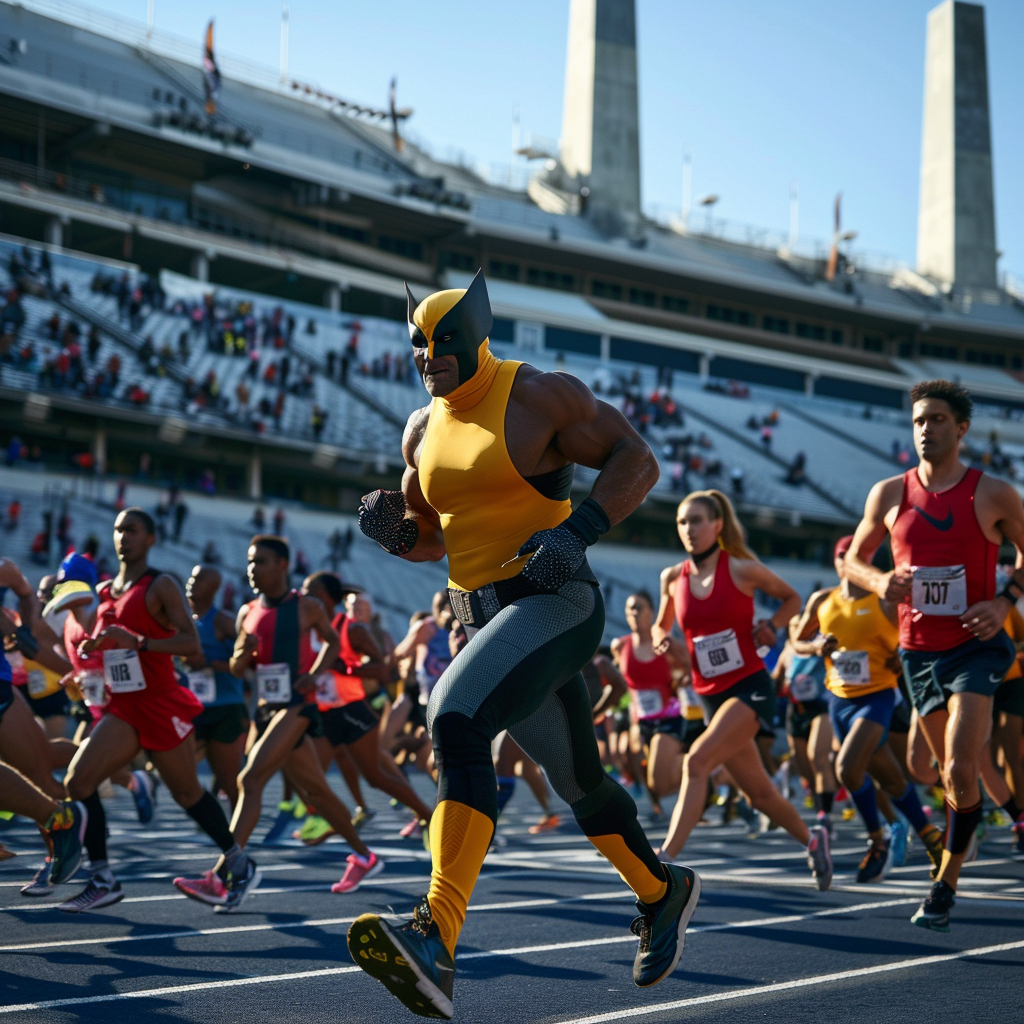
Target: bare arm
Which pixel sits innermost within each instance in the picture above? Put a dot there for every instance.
(614, 685)
(666, 616)
(892, 586)
(246, 646)
(803, 633)
(313, 615)
(750, 575)
(421, 633)
(362, 641)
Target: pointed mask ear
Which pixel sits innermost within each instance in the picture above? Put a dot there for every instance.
(411, 304)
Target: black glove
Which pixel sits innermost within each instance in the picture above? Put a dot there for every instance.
(26, 643)
(382, 518)
(559, 552)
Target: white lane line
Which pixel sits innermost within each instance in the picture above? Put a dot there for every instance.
(784, 986)
(21, 947)
(479, 955)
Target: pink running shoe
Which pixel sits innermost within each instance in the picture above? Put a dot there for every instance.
(358, 870)
(413, 830)
(207, 888)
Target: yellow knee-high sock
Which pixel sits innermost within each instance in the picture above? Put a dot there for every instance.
(635, 873)
(459, 838)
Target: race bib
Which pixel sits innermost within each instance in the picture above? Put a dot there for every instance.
(274, 683)
(203, 684)
(852, 667)
(326, 688)
(940, 590)
(648, 703)
(718, 653)
(94, 688)
(123, 671)
(803, 686)
(37, 685)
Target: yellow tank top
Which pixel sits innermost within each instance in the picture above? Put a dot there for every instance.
(861, 628)
(487, 509)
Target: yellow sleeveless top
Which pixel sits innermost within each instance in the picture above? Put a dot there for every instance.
(859, 625)
(487, 509)
(1014, 625)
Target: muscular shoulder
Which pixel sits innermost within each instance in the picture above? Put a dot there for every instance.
(885, 494)
(818, 598)
(671, 573)
(412, 438)
(996, 493)
(560, 396)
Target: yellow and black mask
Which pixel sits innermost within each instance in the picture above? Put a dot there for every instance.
(454, 322)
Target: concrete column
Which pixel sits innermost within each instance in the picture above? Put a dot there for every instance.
(255, 477)
(704, 372)
(606, 348)
(956, 235)
(809, 381)
(600, 112)
(332, 297)
(201, 267)
(99, 450)
(55, 232)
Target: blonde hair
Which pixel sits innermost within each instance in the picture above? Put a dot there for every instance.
(733, 538)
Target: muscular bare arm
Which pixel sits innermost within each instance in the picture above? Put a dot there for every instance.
(313, 615)
(663, 621)
(362, 641)
(881, 502)
(614, 685)
(749, 575)
(430, 541)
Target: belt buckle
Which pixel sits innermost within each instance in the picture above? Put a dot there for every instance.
(462, 605)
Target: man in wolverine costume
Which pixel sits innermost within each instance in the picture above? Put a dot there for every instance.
(489, 468)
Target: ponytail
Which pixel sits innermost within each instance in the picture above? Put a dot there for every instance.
(733, 538)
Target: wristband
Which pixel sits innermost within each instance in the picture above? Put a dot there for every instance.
(1008, 592)
(589, 521)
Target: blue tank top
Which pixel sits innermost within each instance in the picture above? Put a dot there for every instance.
(439, 657)
(806, 678)
(230, 690)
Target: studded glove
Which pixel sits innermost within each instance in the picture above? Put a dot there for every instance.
(559, 552)
(382, 518)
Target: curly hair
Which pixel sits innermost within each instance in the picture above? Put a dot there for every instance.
(954, 395)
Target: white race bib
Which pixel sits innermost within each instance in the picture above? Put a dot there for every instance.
(718, 653)
(36, 683)
(274, 683)
(326, 688)
(852, 667)
(803, 686)
(203, 684)
(122, 671)
(940, 590)
(648, 702)
(94, 688)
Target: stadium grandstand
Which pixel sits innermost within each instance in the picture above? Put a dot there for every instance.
(244, 274)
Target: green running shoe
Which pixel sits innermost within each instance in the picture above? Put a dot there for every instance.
(661, 927)
(66, 832)
(362, 816)
(408, 958)
(314, 831)
(934, 910)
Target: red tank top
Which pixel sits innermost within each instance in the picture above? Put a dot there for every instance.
(649, 682)
(941, 529)
(705, 620)
(280, 638)
(348, 688)
(130, 612)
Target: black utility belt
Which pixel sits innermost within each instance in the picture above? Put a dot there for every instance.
(478, 607)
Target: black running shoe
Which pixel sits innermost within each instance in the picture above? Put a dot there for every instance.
(661, 927)
(934, 911)
(876, 864)
(98, 893)
(66, 832)
(408, 958)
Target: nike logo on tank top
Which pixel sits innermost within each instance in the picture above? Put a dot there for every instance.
(954, 565)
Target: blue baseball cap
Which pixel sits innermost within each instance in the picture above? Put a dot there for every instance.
(79, 568)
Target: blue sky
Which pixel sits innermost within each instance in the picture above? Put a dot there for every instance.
(763, 93)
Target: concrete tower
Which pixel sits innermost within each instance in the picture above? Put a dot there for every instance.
(600, 117)
(956, 228)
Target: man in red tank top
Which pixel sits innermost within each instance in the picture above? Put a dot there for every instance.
(946, 523)
(349, 720)
(141, 623)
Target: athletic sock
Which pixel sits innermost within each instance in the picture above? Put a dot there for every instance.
(506, 787)
(1012, 809)
(100, 870)
(909, 805)
(209, 816)
(867, 804)
(235, 859)
(459, 838)
(95, 839)
(826, 799)
(960, 826)
(607, 817)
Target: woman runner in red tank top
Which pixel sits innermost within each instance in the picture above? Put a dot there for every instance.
(657, 728)
(711, 595)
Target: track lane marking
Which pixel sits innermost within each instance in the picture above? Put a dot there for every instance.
(157, 993)
(785, 986)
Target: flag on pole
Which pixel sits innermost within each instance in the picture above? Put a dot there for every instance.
(211, 73)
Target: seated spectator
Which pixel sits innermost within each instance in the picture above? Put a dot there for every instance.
(797, 473)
